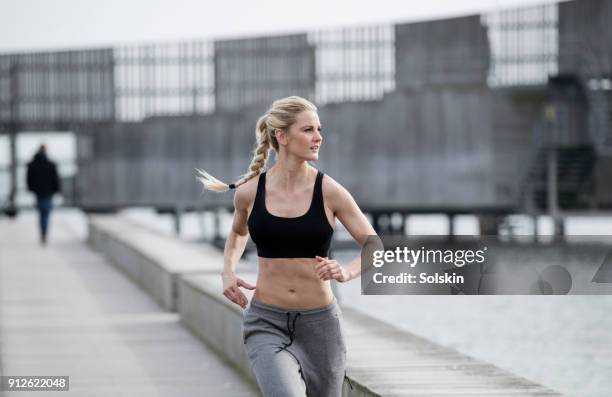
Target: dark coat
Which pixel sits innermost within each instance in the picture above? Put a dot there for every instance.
(42, 176)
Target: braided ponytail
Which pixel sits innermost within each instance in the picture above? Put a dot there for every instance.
(280, 116)
(262, 150)
(260, 157)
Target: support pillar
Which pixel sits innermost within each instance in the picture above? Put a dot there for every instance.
(553, 193)
(11, 209)
(178, 212)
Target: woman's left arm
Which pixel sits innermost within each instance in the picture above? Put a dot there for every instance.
(344, 207)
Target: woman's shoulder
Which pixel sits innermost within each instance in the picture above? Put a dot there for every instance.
(334, 194)
(245, 193)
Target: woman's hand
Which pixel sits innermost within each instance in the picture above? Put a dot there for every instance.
(231, 289)
(328, 269)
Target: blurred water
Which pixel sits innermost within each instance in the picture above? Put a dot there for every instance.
(563, 342)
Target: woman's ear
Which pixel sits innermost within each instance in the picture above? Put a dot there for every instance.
(281, 136)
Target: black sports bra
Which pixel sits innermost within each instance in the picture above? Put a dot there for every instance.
(304, 236)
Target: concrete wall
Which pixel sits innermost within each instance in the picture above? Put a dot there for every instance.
(380, 357)
(442, 52)
(415, 148)
(149, 258)
(443, 139)
(251, 70)
(585, 37)
(428, 147)
(514, 119)
(603, 170)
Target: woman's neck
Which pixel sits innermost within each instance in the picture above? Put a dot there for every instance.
(289, 174)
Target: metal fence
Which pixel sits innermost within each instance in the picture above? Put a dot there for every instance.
(55, 87)
(159, 79)
(524, 45)
(130, 83)
(350, 64)
(354, 64)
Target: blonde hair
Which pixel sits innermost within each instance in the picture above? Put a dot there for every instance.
(281, 115)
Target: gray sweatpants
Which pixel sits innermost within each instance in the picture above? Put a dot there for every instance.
(296, 352)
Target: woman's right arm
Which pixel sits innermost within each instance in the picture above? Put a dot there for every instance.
(234, 248)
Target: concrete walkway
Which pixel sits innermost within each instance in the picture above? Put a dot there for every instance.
(65, 311)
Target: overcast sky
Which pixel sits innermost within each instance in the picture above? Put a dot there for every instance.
(58, 24)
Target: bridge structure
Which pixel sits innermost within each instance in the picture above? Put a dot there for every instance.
(492, 114)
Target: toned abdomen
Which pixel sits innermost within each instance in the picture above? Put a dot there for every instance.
(291, 283)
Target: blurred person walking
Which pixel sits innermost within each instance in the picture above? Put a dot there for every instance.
(44, 182)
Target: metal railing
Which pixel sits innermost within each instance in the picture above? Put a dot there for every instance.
(133, 82)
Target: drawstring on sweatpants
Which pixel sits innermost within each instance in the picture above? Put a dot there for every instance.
(291, 331)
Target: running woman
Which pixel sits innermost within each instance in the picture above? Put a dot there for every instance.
(292, 328)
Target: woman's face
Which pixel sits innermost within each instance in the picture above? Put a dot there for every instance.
(304, 137)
